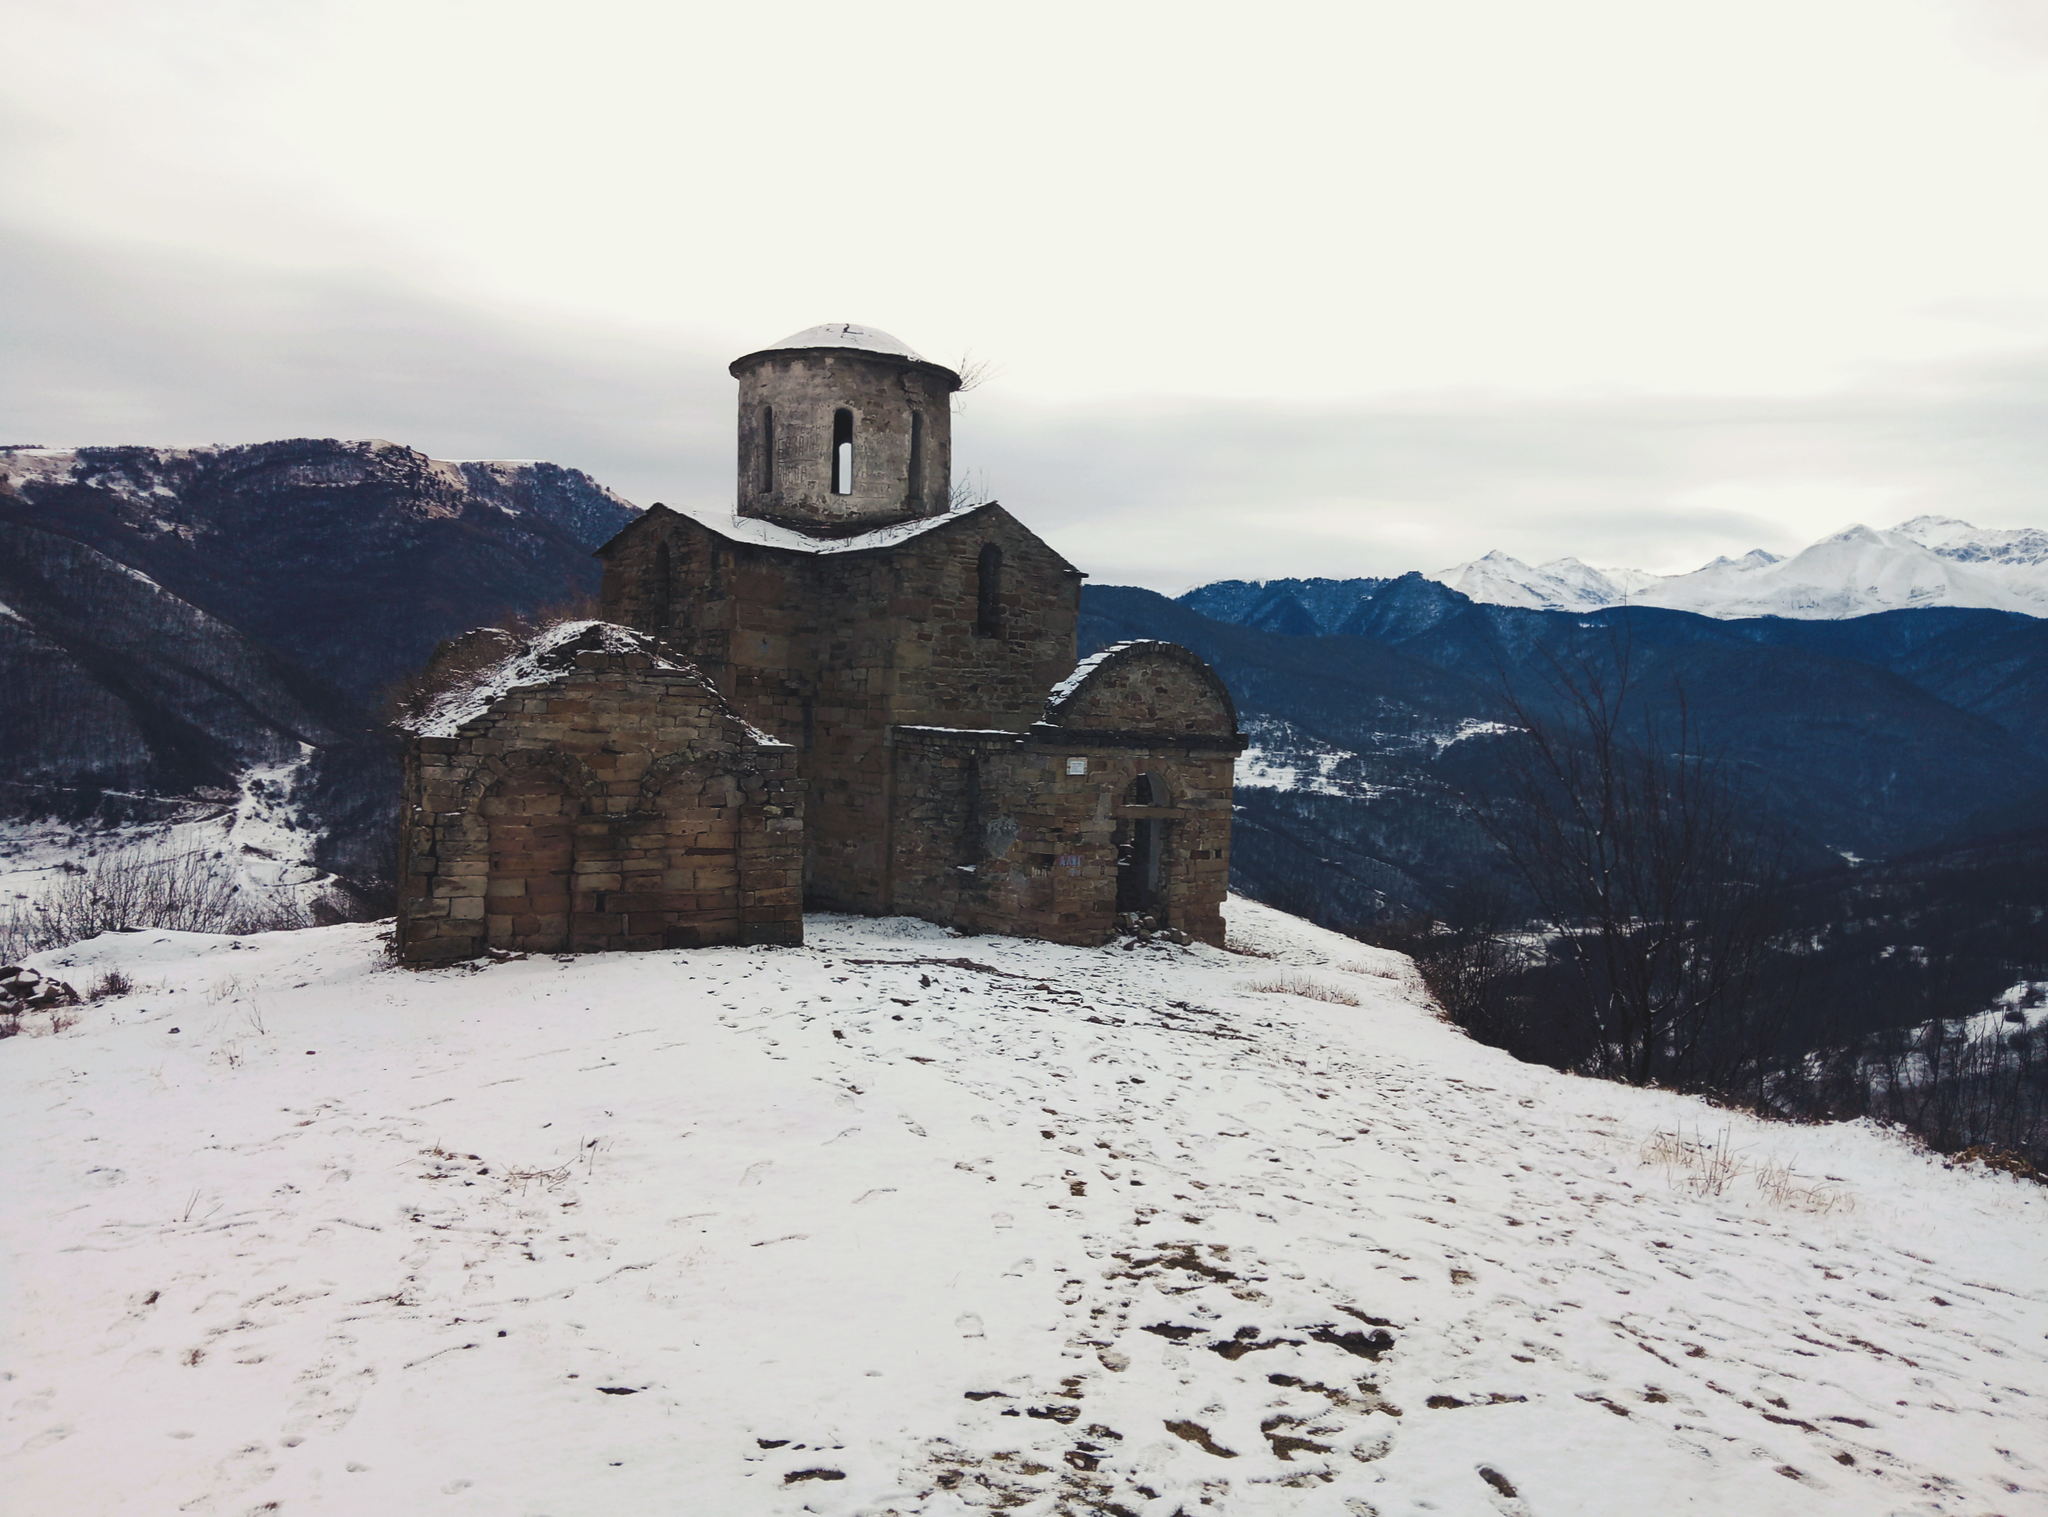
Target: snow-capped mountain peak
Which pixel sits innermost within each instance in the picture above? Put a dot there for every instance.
(1928, 561)
(1755, 558)
(1964, 543)
(1563, 584)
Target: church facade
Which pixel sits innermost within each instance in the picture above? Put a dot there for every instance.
(908, 673)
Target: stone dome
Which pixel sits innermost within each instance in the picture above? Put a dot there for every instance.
(847, 334)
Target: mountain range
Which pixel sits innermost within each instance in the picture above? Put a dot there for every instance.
(1907, 739)
(1928, 561)
(172, 621)
(173, 618)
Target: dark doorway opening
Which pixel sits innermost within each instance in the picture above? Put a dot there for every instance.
(1141, 854)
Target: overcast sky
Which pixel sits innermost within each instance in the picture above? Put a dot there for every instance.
(1288, 289)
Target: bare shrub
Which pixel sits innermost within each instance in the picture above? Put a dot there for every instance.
(1710, 1166)
(1661, 894)
(970, 488)
(137, 889)
(1302, 985)
(1705, 1167)
(1782, 1186)
(1966, 1086)
(1486, 977)
(109, 985)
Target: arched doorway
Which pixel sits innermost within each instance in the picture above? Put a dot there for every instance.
(1141, 852)
(531, 817)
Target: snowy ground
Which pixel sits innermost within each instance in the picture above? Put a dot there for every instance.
(905, 1222)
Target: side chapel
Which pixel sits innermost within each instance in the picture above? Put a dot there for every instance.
(847, 695)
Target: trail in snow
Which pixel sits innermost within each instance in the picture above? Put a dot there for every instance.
(906, 1222)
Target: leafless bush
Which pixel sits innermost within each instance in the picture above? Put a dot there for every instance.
(1976, 1086)
(969, 489)
(974, 373)
(1783, 1186)
(109, 985)
(1711, 1166)
(1484, 977)
(1705, 1167)
(1303, 985)
(1639, 847)
(142, 888)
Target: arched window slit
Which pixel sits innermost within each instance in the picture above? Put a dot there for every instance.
(988, 592)
(842, 452)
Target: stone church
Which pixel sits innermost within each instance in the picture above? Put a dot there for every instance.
(846, 695)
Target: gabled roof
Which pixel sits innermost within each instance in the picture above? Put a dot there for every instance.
(549, 657)
(1064, 702)
(756, 533)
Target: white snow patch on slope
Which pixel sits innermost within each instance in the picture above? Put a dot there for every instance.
(1929, 561)
(792, 1232)
(1280, 756)
(261, 837)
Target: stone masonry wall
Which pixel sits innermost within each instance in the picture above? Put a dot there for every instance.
(619, 805)
(805, 387)
(996, 835)
(830, 651)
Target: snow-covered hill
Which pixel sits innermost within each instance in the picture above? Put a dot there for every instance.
(1929, 561)
(906, 1223)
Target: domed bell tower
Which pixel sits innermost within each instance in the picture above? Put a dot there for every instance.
(842, 429)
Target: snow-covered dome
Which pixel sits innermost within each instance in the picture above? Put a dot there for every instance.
(846, 334)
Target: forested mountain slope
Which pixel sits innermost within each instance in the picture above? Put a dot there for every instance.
(173, 616)
(1371, 702)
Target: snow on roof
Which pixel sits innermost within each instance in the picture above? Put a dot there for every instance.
(549, 656)
(768, 534)
(846, 334)
(1067, 688)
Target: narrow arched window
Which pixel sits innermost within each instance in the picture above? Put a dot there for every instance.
(767, 449)
(663, 590)
(842, 452)
(988, 592)
(917, 458)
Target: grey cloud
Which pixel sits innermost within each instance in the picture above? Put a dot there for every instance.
(1170, 497)
(114, 345)
(125, 346)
